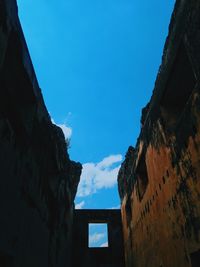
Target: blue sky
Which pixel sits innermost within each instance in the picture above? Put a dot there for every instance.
(98, 235)
(96, 63)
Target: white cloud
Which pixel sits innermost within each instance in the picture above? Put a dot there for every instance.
(80, 205)
(96, 237)
(116, 207)
(96, 176)
(104, 245)
(109, 161)
(67, 131)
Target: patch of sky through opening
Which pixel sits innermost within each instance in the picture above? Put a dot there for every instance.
(98, 235)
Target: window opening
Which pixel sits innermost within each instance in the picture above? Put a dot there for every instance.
(98, 235)
(142, 177)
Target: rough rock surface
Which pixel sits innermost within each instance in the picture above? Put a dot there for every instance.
(38, 181)
(159, 181)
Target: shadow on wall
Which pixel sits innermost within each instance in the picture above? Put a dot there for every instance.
(85, 256)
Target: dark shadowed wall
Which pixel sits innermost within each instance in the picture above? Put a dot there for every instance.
(111, 256)
(38, 181)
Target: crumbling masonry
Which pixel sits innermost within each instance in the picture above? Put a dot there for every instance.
(158, 181)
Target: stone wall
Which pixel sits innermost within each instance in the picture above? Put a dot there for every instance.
(85, 256)
(38, 181)
(159, 181)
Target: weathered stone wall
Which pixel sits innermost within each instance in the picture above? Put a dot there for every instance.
(83, 255)
(159, 181)
(38, 181)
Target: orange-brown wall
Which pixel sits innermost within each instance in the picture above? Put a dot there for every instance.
(165, 225)
(162, 228)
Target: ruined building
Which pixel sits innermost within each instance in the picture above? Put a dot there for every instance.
(158, 181)
(38, 181)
